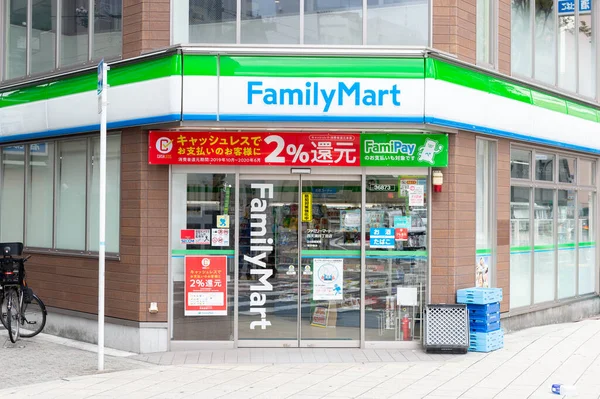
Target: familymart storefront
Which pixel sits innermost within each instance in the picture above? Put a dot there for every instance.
(298, 239)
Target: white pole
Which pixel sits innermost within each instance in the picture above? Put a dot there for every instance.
(102, 234)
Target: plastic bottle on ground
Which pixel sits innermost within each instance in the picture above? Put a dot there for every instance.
(563, 389)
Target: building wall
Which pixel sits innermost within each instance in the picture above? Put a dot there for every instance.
(146, 26)
(455, 27)
(145, 223)
(453, 226)
(453, 223)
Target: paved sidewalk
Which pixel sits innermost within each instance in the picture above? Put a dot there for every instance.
(531, 361)
(48, 358)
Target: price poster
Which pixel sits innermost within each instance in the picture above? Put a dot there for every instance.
(205, 290)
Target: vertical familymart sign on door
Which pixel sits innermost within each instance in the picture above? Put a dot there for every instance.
(298, 149)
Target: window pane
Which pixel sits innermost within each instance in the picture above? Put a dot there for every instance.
(397, 22)
(108, 25)
(567, 272)
(520, 247)
(545, 41)
(587, 74)
(485, 214)
(484, 51)
(113, 182)
(520, 162)
(566, 52)
(544, 167)
(400, 266)
(74, 32)
(587, 241)
(16, 38)
(197, 201)
(212, 21)
(521, 50)
(71, 195)
(544, 268)
(12, 194)
(40, 195)
(333, 22)
(43, 36)
(566, 170)
(271, 22)
(587, 172)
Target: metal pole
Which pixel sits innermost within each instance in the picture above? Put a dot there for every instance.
(102, 85)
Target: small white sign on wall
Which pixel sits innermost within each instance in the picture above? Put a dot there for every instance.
(407, 296)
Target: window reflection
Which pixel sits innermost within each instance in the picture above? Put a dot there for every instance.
(271, 21)
(520, 247)
(545, 42)
(74, 32)
(107, 28)
(544, 167)
(43, 36)
(16, 39)
(212, 21)
(333, 22)
(566, 53)
(397, 22)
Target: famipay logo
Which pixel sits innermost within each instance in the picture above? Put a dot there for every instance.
(426, 152)
(312, 95)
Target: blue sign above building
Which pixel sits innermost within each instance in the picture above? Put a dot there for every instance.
(566, 7)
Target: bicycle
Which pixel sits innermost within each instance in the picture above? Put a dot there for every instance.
(22, 312)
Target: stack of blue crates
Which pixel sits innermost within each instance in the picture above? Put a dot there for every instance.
(483, 305)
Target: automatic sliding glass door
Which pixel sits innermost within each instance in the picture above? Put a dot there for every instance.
(299, 261)
(330, 217)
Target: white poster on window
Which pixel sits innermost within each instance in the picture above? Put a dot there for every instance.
(328, 279)
(416, 195)
(220, 237)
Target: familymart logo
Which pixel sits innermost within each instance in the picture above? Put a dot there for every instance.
(324, 94)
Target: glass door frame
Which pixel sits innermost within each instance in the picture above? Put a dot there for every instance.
(299, 342)
(277, 173)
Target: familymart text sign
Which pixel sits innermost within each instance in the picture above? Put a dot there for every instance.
(298, 149)
(321, 99)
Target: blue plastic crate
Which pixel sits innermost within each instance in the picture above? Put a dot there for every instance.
(485, 318)
(486, 342)
(480, 296)
(486, 347)
(484, 327)
(483, 309)
(492, 336)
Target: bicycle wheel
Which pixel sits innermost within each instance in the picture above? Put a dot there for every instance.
(3, 311)
(13, 314)
(33, 317)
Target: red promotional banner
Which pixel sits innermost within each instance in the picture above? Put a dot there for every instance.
(254, 148)
(205, 292)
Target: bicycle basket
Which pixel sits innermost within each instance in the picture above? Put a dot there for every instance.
(9, 272)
